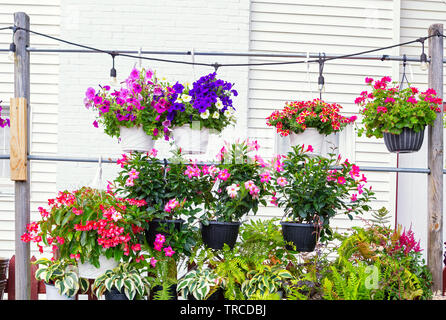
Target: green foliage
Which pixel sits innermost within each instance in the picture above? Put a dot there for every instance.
(381, 216)
(390, 109)
(347, 282)
(264, 280)
(239, 188)
(63, 274)
(157, 184)
(73, 225)
(200, 283)
(395, 254)
(135, 108)
(310, 191)
(262, 240)
(126, 278)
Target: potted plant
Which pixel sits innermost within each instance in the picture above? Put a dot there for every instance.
(135, 113)
(94, 227)
(171, 199)
(125, 282)
(162, 269)
(201, 284)
(61, 278)
(312, 190)
(241, 184)
(308, 122)
(398, 115)
(197, 110)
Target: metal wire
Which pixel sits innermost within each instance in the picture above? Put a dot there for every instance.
(110, 160)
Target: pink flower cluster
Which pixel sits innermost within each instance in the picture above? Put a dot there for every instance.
(171, 205)
(407, 243)
(158, 246)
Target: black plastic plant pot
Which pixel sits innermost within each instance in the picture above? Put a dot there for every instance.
(218, 294)
(217, 233)
(406, 142)
(158, 226)
(302, 235)
(172, 291)
(114, 294)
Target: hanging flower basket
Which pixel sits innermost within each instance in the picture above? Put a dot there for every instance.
(89, 271)
(302, 235)
(217, 233)
(52, 293)
(310, 137)
(190, 140)
(135, 139)
(405, 142)
(397, 115)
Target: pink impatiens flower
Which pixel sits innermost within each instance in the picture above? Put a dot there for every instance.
(153, 262)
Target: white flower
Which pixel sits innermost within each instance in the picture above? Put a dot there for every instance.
(186, 97)
(232, 190)
(219, 104)
(216, 115)
(227, 113)
(205, 114)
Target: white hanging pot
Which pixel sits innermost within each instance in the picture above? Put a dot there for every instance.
(135, 139)
(309, 137)
(53, 294)
(191, 141)
(89, 271)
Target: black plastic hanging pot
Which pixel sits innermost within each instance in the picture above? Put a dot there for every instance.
(114, 294)
(158, 226)
(302, 235)
(217, 233)
(406, 142)
(218, 294)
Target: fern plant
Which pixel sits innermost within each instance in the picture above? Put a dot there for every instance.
(232, 270)
(347, 283)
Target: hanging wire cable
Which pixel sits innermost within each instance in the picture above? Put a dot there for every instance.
(321, 80)
(227, 64)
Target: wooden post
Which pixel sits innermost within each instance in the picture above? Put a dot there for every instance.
(435, 162)
(22, 187)
(18, 141)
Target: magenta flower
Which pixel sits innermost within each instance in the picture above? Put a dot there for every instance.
(95, 124)
(341, 180)
(153, 262)
(168, 251)
(90, 93)
(224, 175)
(281, 181)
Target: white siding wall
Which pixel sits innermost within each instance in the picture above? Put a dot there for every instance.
(44, 17)
(416, 17)
(335, 27)
(177, 25)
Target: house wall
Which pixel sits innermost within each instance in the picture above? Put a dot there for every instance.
(44, 103)
(416, 17)
(335, 27)
(61, 124)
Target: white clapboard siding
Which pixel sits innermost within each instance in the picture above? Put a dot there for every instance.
(44, 90)
(416, 17)
(337, 27)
